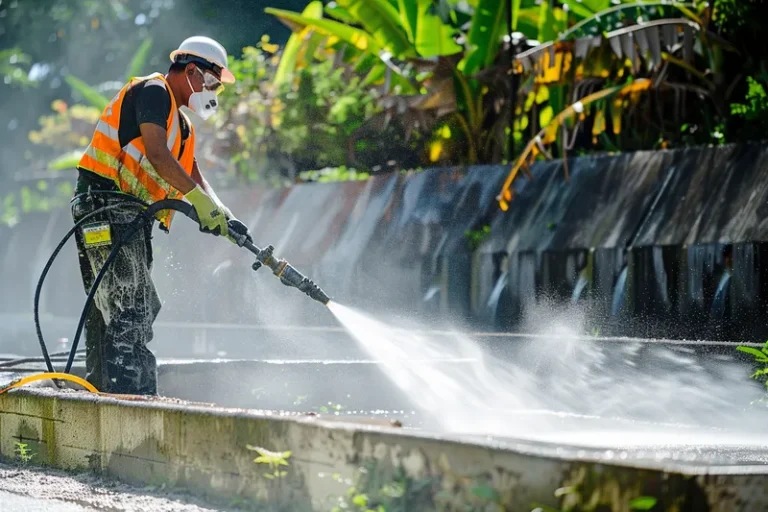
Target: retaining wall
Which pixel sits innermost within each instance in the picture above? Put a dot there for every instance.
(664, 243)
(204, 450)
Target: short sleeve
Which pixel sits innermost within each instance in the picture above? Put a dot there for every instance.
(152, 105)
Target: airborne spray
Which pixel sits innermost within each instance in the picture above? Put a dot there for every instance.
(561, 387)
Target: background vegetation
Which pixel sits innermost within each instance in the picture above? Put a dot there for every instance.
(343, 89)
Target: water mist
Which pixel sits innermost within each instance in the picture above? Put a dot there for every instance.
(564, 388)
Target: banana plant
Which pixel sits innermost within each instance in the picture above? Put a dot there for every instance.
(608, 75)
(578, 111)
(410, 49)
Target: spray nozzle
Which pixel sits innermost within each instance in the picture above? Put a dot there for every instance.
(288, 275)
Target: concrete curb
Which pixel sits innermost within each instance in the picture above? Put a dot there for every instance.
(204, 449)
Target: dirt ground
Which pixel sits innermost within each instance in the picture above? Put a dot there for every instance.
(53, 490)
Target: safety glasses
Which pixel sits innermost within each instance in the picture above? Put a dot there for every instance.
(210, 82)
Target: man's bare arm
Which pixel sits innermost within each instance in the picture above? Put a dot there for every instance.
(162, 160)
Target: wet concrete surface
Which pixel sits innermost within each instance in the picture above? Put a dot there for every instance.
(638, 401)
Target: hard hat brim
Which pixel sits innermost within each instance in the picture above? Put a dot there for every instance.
(226, 75)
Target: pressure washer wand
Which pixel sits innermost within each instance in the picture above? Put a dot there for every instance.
(288, 275)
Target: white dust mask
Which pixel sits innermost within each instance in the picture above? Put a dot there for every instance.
(203, 103)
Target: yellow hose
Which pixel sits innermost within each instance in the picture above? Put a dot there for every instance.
(42, 376)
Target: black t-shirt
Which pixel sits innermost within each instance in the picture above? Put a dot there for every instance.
(147, 102)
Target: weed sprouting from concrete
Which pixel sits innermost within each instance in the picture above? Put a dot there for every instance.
(761, 359)
(23, 453)
(760, 373)
(273, 460)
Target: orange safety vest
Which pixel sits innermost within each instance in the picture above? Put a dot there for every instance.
(128, 166)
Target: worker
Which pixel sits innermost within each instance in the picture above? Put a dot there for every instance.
(143, 148)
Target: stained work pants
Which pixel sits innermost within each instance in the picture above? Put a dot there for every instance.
(119, 323)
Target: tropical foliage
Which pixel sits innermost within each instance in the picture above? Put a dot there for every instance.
(547, 78)
(274, 132)
(365, 86)
(632, 77)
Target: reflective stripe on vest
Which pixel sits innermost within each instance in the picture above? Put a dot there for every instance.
(128, 165)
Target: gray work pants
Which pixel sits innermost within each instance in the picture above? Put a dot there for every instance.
(119, 324)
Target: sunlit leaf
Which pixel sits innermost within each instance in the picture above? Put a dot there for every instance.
(528, 23)
(409, 17)
(551, 22)
(334, 11)
(290, 54)
(382, 21)
(542, 95)
(435, 150)
(759, 356)
(579, 9)
(546, 115)
(358, 38)
(361, 500)
(616, 111)
(642, 503)
(139, 60)
(598, 125)
(596, 6)
(432, 36)
(91, 95)
(484, 38)
(515, 7)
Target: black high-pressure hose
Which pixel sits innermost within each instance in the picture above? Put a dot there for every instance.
(55, 253)
(164, 204)
(151, 210)
(288, 275)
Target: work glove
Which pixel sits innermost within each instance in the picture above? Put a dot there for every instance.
(240, 229)
(235, 225)
(212, 219)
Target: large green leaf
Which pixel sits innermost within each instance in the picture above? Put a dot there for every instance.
(552, 21)
(594, 6)
(578, 8)
(358, 38)
(291, 51)
(425, 28)
(139, 60)
(375, 75)
(409, 17)
(485, 35)
(433, 37)
(382, 21)
(515, 14)
(528, 22)
(339, 13)
(89, 94)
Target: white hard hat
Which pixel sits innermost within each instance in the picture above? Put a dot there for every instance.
(209, 50)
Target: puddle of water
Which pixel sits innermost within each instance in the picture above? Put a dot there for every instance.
(586, 393)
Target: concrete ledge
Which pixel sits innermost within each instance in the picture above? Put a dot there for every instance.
(204, 449)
